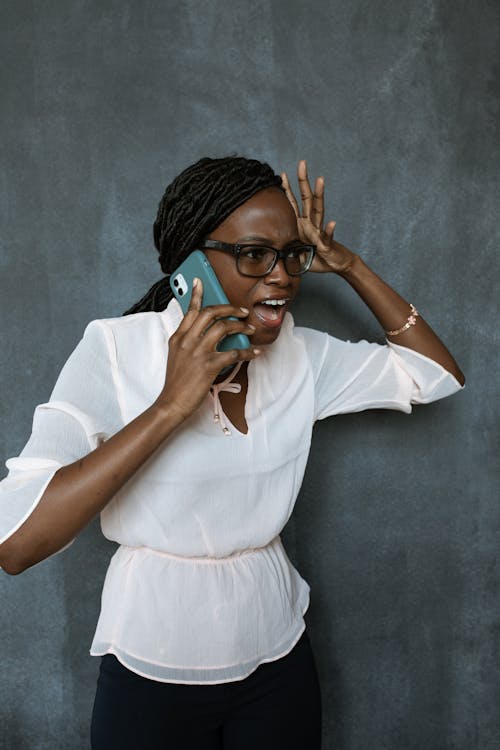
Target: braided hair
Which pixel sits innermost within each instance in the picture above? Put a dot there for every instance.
(193, 205)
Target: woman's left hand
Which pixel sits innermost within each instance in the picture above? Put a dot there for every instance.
(330, 256)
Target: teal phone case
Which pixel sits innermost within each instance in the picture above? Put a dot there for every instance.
(197, 265)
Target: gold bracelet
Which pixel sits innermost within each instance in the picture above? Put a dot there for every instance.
(410, 321)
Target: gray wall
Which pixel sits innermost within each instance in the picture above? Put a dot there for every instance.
(397, 526)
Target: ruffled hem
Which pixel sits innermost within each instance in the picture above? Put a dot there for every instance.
(193, 676)
(180, 620)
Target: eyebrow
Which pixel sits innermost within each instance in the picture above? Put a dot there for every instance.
(266, 240)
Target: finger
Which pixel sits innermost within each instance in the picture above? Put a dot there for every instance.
(196, 295)
(209, 315)
(223, 328)
(224, 359)
(194, 306)
(305, 189)
(289, 193)
(318, 203)
(244, 355)
(329, 230)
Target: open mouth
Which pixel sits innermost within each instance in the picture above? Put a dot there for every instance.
(271, 312)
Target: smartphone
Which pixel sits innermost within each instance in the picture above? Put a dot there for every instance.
(196, 265)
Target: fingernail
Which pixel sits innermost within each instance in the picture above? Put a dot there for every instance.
(252, 328)
(244, 310)
(195, 283)
(256, 351)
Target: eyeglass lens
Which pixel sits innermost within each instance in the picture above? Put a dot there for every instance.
(258, 260)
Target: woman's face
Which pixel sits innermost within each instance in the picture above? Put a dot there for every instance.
(267, 218)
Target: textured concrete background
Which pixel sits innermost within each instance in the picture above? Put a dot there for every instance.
(397, 527)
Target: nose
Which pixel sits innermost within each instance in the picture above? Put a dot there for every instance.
(279, 275)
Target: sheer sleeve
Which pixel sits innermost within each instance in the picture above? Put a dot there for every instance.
(351, 377)
(83, 410)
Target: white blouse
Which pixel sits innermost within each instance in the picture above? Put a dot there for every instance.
(201, 590)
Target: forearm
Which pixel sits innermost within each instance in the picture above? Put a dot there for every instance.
(391, 310)
(79, 491)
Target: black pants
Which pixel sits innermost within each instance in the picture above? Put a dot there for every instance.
(277, 706)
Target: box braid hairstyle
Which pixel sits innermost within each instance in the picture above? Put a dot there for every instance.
(193, 205)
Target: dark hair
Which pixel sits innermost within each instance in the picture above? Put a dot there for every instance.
(193, 205)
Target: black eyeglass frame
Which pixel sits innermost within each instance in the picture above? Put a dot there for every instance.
(237, 248)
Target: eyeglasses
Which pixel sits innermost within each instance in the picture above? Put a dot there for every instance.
(259, 260)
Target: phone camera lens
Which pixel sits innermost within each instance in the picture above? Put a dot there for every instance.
(176, 282)
(180, 292)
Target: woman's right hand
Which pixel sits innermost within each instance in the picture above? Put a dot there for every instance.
(193, 360)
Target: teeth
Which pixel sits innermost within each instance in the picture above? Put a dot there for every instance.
(274, 302)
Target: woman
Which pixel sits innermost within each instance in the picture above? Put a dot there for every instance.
(195, 472)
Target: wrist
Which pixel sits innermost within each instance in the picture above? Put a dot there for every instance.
(354, 268)
(165, 417)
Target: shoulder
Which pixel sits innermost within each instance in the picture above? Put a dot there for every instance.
(124, 324)
(315, 339)
(127, 338)
(141, 323)
(316, 343)
(326, 351)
